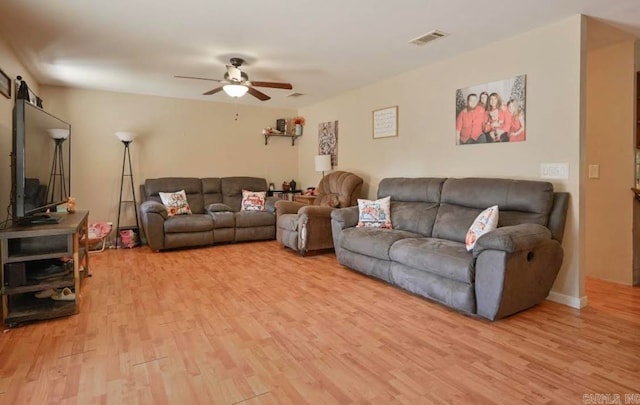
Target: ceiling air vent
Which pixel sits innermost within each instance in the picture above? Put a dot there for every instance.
(295, 94)
(428, 37)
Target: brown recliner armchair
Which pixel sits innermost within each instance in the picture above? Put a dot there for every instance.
(308, 227)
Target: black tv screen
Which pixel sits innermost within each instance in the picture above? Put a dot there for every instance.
(42, 160)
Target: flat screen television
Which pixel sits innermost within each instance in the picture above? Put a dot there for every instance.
(41, 163)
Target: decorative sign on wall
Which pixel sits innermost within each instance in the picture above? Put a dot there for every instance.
(491, 112)
(385, 122)
(328, 140)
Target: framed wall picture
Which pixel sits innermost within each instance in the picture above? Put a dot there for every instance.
(385, 122)
(492, 112)
(5, 85)
(328, 140)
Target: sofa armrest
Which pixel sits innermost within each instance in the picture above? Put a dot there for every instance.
(341, 219)
(270, 204)
(152, 215)
(314, 228)
(345, 217)
(316, 211)
(512, 239)
(151, 206)
(287, 207)
(218, 207)
(515, 268)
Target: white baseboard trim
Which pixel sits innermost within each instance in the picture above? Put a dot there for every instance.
(573, 302)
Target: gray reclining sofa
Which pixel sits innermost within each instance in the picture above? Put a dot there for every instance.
(215, 203)
(510, 269)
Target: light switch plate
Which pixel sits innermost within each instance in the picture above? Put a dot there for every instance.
(594, 171)
(558, 171)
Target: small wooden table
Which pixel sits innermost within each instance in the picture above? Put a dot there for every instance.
(306, 199)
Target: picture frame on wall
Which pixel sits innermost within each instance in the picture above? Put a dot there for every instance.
(492, 112)
(5, 84)
(385, 122)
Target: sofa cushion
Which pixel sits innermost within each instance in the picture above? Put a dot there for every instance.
(253, 200)
(223, 219)
(520, 201)
(211, 190)
(374, 214)
(374, 242)
(192, 187)
(248, 219)
(487, 221)
(288, 222)
(232, 189)
(188, 223)
(328, 200)
(437, 256)
(176, 203)
(417, 217)
(414, 202)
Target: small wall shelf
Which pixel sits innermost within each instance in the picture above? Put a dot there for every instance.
(293, 138)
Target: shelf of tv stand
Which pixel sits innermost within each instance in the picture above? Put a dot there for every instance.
(293, 137)
(23, 244)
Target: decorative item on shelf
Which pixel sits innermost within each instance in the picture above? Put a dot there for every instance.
(124, 238)
(23, 90)
(285, 186)
(323, 163)
(272, 186)
(25, 93)
(271, 131)
(281, 125)
(293, 185)
(298, 123)
(310, 191)
(71, 204)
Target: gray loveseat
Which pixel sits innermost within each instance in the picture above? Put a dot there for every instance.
(510, 269)
(215, 203)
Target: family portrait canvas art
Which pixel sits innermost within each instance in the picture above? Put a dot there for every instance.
(492, 112)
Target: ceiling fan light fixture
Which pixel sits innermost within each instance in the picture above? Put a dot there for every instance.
(235, 90)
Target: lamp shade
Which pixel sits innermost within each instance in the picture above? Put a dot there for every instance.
(235, 90)
(125, 136)
(323, 163)
(58, 133)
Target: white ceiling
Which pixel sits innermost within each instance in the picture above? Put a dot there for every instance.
(322, 47)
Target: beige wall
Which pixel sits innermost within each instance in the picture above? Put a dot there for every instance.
(550, 56)
(610, 145)
(11, 67)
(176, 138)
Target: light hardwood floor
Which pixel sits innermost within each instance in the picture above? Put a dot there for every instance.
(253, 323)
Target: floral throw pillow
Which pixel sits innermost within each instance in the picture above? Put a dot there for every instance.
(176, 203)
(374, 214)
(253, 200)
(487, 221)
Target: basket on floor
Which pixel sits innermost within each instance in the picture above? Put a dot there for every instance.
(97, 236)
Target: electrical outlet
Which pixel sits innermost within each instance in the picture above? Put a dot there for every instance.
(558, 171)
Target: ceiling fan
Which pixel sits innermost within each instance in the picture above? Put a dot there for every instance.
(236, 82)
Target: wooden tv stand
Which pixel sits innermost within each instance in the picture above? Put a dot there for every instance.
(24, 245)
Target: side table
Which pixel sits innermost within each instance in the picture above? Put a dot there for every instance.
(306, 199)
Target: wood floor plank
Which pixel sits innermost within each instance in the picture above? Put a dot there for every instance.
(254, 323)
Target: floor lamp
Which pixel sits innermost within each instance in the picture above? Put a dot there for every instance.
(57, 166)
(126, 138)
(323, 163)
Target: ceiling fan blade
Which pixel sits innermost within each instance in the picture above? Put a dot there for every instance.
(214, 91)
(273, 85)
(258, 94)
(198, 78)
